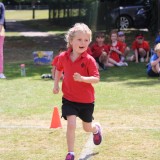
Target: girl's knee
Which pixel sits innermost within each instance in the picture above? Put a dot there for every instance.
(71, 121)
(87, 128)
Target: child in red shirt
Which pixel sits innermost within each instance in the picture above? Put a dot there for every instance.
(141, 49)
(100, 50)
(80, 71)
(125, 48)
(115, 51)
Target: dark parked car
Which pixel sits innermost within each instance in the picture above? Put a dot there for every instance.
(131, 13)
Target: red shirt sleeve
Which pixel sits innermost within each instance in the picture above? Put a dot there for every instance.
(59, 64)
(96, 50)
(134, 46)
(89, 51)
(106, 48)
(120, 46)
(146, 46)
(123, 46)
(55, 60)
(92, 68)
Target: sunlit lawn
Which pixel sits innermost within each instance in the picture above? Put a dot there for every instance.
(127, 105)
(26, 14)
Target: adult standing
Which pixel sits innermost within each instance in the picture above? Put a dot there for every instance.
(2, 36)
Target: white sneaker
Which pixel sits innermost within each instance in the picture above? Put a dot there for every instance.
(122, 59)
(141, 59)
(119, 64)
(125, 63)
(2, 76)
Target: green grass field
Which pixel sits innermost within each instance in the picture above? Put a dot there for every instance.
(127, 106)
(26, 14)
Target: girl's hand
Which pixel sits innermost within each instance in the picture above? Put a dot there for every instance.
(111, 49)
(77, 77)
(56, 90)
(114, 49)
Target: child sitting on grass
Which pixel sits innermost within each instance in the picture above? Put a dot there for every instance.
(100, 50)
(126, 49)
(141, 49)
(115, 51)
(153, 68)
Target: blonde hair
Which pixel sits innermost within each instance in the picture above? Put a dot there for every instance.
(76, 28)
(157, 48)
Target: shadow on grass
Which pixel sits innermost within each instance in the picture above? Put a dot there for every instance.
(151, 82)
(133, 75)
(89, 156)
(136, 73)
(20, 48)
(42, 25)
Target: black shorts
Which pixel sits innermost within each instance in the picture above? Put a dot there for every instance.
(151, 73)
(82, 110)
(100, 64)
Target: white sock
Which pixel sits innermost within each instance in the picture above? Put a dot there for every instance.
(72, 153)
(96, 131)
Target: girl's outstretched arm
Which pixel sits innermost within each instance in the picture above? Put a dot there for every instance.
(79, 78)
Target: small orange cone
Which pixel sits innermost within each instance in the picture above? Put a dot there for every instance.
(56, 122)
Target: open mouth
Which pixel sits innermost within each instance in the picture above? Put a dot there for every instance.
(81, 47)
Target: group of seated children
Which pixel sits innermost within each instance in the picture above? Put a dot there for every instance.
(116, 52)
(108, 55)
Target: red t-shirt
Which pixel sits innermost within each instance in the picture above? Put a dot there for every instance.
(114, 55)
(55, 60)
(97, 50)
(89, 51)
(124, 45)
(144, 45)
(86, 66)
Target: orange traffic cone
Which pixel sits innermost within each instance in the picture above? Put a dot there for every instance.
(56, 122)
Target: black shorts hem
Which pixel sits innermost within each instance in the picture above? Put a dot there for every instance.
(82, 110)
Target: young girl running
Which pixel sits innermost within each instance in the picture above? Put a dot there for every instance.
(80, 71)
